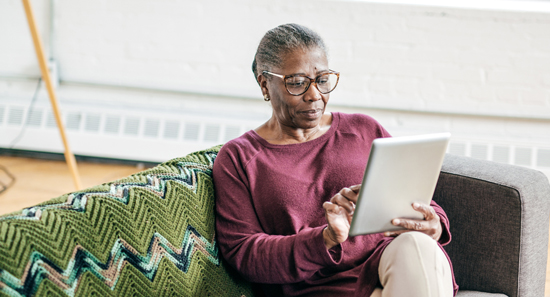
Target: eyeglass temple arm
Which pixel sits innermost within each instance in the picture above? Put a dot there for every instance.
(274, 74)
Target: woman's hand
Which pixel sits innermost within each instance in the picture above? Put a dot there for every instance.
(430, 225)
(339, 212)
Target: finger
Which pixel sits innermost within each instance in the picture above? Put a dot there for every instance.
(342, 201)
(335, 209)
(349, 194)
(355, 188)
(425, 209)
(417, 225)
(330, 207)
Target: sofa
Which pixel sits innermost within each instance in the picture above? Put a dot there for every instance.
(152, 234)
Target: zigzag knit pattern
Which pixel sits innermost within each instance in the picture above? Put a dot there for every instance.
(151, 233)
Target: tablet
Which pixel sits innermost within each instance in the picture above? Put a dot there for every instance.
(400, 171)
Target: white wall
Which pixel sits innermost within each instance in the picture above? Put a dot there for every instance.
(484, 75)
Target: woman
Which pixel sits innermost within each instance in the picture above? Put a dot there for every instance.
(285, 192)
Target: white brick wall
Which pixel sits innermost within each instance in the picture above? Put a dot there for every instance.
(483, 74)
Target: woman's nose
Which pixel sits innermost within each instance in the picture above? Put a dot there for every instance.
(312, 94)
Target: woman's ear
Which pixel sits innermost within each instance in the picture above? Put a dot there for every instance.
(262, 81)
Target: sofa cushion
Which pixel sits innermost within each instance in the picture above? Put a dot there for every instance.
(149, 234)
(478, 294)
(484, 257)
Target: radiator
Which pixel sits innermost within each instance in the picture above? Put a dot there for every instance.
(129, 134)
(152, 135)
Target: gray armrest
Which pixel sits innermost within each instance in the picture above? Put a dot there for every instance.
(462, 293)
(499, 217)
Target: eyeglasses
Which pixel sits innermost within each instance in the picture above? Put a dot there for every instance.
(297, 84)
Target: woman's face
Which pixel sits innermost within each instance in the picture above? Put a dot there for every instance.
(303, 111)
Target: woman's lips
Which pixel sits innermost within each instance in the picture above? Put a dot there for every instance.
(311, 114)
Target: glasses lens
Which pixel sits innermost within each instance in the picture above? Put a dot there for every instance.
(296, 85)
(327, 82)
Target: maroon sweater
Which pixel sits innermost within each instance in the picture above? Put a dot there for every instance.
(270, 216)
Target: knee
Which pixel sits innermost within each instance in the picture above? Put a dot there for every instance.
(415, 258)
(412, 243)
(414, 239)
(407, 252)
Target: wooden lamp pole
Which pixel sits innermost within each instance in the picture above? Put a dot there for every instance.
(69, 157)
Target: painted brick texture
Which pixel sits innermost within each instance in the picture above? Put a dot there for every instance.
(481, 74)
(422, 58)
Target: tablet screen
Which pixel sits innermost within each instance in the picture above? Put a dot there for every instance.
(399, 172)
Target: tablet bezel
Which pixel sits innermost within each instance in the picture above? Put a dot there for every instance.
(399, 172)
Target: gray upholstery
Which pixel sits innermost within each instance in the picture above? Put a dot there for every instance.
(499, 217)
(462, 293)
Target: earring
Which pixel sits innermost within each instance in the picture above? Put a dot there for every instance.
(266, 98)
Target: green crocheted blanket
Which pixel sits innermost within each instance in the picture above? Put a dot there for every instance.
(150, 234)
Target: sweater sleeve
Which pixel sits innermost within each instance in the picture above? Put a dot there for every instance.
(261, 257)
(446, 234)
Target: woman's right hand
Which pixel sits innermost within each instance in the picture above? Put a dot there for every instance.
(339, 212)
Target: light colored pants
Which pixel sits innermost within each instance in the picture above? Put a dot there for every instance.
(413, 265)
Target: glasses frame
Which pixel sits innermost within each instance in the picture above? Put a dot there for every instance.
(311, 80)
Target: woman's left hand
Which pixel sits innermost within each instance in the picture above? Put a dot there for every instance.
(430, 225)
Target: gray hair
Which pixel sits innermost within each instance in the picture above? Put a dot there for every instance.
(281, 40)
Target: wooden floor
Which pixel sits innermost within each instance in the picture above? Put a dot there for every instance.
(40, 180)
